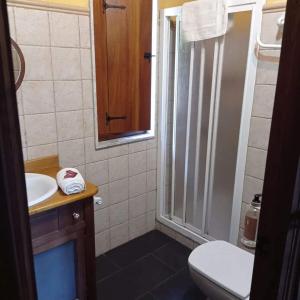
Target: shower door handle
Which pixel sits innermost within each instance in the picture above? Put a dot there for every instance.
(112, 6)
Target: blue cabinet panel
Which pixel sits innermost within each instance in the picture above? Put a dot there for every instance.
(55, 273)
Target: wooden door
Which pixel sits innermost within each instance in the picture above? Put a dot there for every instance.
(276, 272)
(16, 262)
(123, 34)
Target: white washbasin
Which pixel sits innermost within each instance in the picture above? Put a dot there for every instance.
(39, 187)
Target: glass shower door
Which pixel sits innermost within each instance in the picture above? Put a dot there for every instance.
(205, 97)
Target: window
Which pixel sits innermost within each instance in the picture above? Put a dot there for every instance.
(123, 32)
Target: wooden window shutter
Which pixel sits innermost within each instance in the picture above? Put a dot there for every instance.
(123, 34)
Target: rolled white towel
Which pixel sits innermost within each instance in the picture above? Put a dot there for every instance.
(70, 181)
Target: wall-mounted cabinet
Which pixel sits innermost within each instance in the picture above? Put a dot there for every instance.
(123, 39)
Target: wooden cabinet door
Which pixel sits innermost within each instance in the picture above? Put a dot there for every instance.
(123, 33)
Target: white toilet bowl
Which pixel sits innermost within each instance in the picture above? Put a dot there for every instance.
(222, 271)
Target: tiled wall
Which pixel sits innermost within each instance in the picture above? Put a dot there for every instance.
(262, 112)
(56, 117)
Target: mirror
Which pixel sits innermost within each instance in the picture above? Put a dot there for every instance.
(18, 63)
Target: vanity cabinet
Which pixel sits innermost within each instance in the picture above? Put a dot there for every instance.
(64, 253)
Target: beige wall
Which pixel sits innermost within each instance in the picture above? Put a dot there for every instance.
(262, 112)
(77, 4)
(56, 117)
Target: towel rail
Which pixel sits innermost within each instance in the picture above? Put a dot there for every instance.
(263, 46)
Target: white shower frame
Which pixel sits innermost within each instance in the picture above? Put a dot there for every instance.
(233, 6)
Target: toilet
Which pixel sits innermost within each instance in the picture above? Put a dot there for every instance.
(222, 271)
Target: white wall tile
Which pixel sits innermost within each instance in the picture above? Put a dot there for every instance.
(267, 70)
(87, 93)
(152, 143)
(38, 63)
(32, 27)
(137, 185)
(64, 29)
(88, 118)
(69, 131)
(119, 235)
(137, 226)
(104, 194)
(118, 213)
(118, 151)
(71, 153)
(137, 163)
(150, 220)
(40, 129)
(151, 159)
(66, 63)
(97, 173)
(42, 150)
(23, 131)
(151, 200)
(138, 146)
(68, 95)
(81, 170)
(118, 168)
(259, 133)
(84, 28)
(271, 33)
(264, 97)
(93, 155)
(25, 155)
(252, 186)
(151, 180)
(101, 220)
(69, 125)
(11, 21)
(118, 191)
(86, 64)
(38, 97)
(20, 101)
(256, 163)
(137, 206)
(102, 243)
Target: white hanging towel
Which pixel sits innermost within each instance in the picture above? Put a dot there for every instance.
(70, 181)
(204, 19)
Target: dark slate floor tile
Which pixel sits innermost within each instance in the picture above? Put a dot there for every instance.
(105, 267)
(138, 248)
(155, 239)
(134, 281)
(179, 287)
(128, 253)
(174, 255)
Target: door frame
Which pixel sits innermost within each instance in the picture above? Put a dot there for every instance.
(17, 272)
(275, 253)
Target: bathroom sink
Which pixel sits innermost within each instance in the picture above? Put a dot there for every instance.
(39, 188)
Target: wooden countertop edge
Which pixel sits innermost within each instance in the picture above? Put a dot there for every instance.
(50, 166)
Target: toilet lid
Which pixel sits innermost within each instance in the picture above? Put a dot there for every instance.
(226, 265)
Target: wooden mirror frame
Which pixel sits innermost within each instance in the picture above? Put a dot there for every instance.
(19, 81)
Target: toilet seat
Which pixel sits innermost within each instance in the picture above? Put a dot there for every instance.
(226, 265)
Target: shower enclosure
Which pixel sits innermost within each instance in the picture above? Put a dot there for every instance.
(206, 99)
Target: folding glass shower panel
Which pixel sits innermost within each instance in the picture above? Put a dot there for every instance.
(227, 121)
(205, 95)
